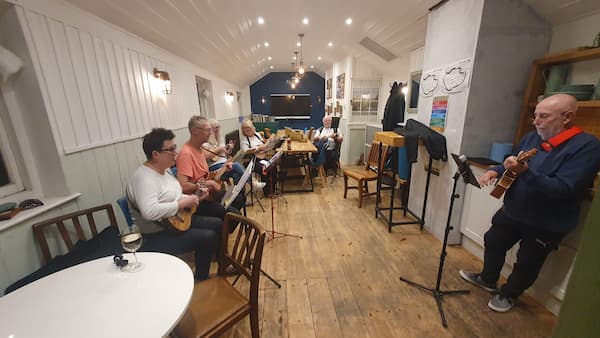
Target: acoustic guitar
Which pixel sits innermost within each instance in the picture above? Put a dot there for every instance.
(182, 220)
(509, 176)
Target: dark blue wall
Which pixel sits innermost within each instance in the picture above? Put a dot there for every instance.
(275, 83)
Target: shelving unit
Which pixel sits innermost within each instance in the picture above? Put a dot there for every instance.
(588, 114)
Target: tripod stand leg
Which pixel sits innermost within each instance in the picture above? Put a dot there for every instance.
(438, 301)
(271, 278)
(417, 285)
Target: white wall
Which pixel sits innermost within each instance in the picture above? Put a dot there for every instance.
(452, 31)
(82, 101)
(577, 34)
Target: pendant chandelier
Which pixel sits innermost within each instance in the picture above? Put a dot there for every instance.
(298, 72)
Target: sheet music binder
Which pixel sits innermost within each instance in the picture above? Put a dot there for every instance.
(232, 194)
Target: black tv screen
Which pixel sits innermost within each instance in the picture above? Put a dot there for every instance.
(290, 105)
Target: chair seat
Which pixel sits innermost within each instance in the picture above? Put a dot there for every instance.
(214, 302)
(360, 173)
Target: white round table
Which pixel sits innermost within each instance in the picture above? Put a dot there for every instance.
(96, 299)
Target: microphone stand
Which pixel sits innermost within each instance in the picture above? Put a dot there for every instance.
(436, 292)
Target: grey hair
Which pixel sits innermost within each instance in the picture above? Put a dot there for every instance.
(195, 120)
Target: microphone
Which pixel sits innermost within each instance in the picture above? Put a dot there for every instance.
(462, 164)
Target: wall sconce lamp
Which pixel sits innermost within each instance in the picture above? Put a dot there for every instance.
(166, 79)
(263, 100)
(229, 97)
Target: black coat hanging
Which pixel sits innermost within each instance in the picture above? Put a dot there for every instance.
(394, 108)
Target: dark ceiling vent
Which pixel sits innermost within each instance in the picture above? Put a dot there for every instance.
(378, 49)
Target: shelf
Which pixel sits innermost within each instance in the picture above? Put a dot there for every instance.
(575, 55)
(580, 104)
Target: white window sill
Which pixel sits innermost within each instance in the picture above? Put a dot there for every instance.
(49, 204)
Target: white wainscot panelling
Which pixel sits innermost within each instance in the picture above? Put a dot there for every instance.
(98, 92)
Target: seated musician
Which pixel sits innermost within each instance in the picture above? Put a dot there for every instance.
(328, 138)
(193, 172)
(216, 152)
(156, 195)
(253, 142)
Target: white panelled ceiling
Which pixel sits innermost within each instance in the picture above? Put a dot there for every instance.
(224, 37)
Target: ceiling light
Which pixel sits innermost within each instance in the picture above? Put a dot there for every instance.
(293, 85)
(271, 67)
(298, 44)
(312, 67)
(269, 58)
(295, 57)
(260, 20)
(301, 65)
(305, 21)
(267, 44)
(330, 44)
(349, 21)
(318, 58)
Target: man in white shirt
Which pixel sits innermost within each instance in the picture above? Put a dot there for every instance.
(328, 139)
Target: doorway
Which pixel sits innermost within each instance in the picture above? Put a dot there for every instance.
(205, 97)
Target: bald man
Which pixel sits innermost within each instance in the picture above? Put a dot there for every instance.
(542, 205)
(328, 139)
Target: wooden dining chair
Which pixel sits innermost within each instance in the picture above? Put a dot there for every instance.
(216, 305)
(367, 173)
(41, 229)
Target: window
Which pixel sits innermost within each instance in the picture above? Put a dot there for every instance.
(413, 92)
(10, 180)
(365, 99)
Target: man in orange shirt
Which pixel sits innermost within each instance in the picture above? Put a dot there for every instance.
(192, 170)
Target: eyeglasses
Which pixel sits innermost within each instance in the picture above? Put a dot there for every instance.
(204, 129)
(172, 150)
(543, 116)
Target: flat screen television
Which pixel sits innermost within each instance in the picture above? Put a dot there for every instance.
(290, 106)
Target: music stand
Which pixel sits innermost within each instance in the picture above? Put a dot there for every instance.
(469, 178)
(269, 166)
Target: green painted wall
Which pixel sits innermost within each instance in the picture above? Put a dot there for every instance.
(579, 312)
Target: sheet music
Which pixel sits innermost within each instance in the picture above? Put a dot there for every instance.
(267, 164)
(232, 194)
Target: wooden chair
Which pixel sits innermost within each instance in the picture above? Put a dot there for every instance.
(216, 304)
(39, 229)
(366, 173)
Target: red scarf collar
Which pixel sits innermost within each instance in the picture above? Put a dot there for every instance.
(561, 138)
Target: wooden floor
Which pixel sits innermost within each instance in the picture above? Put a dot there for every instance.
(342, 278)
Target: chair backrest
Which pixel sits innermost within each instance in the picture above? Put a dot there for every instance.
(124, 205)
(39, 229)
(321, 158)
(246, 246)
(375, 161)
(311, 133)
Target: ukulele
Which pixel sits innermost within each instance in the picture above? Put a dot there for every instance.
(509, 176)
(182, 220)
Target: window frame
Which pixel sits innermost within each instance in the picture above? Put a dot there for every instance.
(8, 156)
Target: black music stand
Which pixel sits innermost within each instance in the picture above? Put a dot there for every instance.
(272, 165)
(469, 178)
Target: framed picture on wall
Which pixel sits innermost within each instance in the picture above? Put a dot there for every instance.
(328, 87)
(341, 81)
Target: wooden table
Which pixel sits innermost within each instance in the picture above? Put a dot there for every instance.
(301, 151)
(96, 299)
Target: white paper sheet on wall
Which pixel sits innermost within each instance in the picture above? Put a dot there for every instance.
(456, 77)
(431, 81)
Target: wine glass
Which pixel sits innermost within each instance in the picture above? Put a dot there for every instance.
(131, 240)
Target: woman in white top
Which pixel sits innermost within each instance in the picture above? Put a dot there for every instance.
(155, 195)
(253, 141)
(216, 152)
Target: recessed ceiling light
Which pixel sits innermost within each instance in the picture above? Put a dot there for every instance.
(349, 21)
(269, 58)
(267, 44)
(305, 21)
(330, 44)
(318, 58)
(260, 20)
(298, 44)
(294, 57)
(271, 67)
